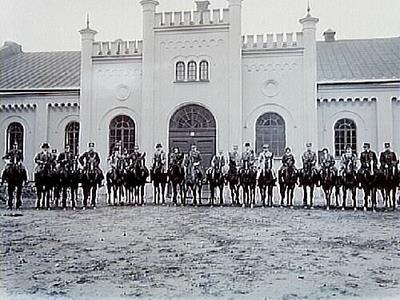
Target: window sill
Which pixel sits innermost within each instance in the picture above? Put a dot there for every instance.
(191, 81)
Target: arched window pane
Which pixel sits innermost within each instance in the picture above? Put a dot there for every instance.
(72, 137)
(271, 130)
(345, 134)
(180, 71)
(122, 128)
(204, 70)
(192, 70)
(15, 133)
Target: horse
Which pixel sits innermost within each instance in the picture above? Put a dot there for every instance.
(367, 178)
(232, 177)
(15, 176)
(74, 178)
(248, 182)
(193, 181)
(159, 177)
(115, 179)
(388, 179)
(176, 176)
(349, 182)
(328, 177)
(63, 176)
(90, 180)
(43, 184)
(308, 178)
(287, 183)
(266, 183)
(136, 181)
(216, 179)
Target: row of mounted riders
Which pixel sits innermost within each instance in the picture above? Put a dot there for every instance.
(126, 183)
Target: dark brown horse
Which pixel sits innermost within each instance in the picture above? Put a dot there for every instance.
(159, 177)
(232, 177)
(15, 176)
(288, 179)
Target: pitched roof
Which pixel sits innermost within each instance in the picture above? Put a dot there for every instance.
(357, 60)
(341, 60)
(32, 70)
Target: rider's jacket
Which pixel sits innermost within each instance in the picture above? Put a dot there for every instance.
(309, 157)
(159, 158)
(218, 161)
(135, 157)
(366, 157)
(288, 160)
(248, 156)
(195, 157)
(265, 158)
(234, 157)
(14, 155)
(114, 158)
(176, 159)
(89, 156)
(42, 159)
(65, 159)
(327, 161)
(348, 158)
(388, 158)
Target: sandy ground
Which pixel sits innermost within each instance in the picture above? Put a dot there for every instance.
(162, 252)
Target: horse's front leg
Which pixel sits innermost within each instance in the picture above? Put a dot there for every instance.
(199, 191)
(93, 196)
(305, 200)
(18, 204)
(10, 190)
(221, 195)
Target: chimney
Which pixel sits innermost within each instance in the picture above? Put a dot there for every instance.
(202, 5)
(9, 49)
(329, 35)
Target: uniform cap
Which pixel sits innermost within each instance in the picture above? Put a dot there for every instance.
(53, 150)
(247, 144)
(325, 149)
(308, 144)
(288, 148)
(91, 144)
(265, 146)
(367, 145)
(387, 145)
(348, 147)
(45, 145)
(158, 145)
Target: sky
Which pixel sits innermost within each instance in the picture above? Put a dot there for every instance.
(51, 25)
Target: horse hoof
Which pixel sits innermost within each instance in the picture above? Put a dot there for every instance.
(291, 207)
(94, 207)
(327, 208)
(374, 210)
(342, 208)
(365, 209)
(64, 208)
(312, 207)
(84, 208)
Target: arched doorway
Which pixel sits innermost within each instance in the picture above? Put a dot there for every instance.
(194, 124)
(122, 129)
(270, 129)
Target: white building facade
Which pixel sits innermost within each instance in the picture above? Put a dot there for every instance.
(195, 79)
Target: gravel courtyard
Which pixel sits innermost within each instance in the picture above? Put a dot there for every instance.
(162, 252)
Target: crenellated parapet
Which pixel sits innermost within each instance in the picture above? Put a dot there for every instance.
(117, 48)
(272, 41)
(192, 18)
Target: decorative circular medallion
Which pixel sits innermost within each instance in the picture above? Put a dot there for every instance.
(122, 92)
(270, 88)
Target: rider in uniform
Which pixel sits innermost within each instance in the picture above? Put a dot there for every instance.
(115, 156)
(217, 162)
(159, 158)
(368, 159)
(176, 158)
(234, 156)
(388, 158)
(136, 156)
(247, 157)
(194, 156)
(265, 157)
(65, 159)
(43, 158)
(54, 159)
(309, 157)
(14, 157)
(327, 161)
(348, 158)
(288, 161)
(91, 155)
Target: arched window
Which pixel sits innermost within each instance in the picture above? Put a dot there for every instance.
(180, 71)
(345, 134)
(271, 130)
(15, 133)
(72, 137)
(122, 128)
(204, 70)
(192, 71)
